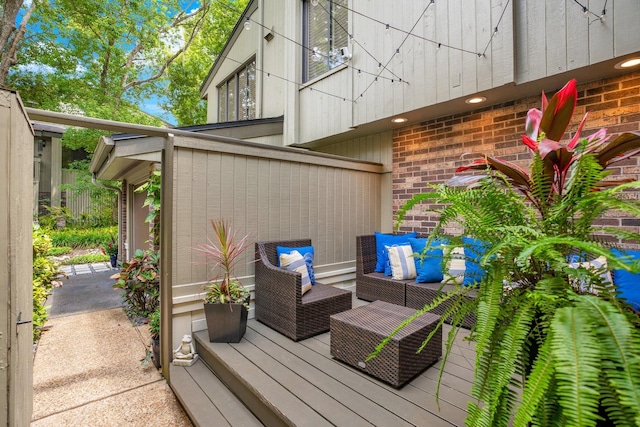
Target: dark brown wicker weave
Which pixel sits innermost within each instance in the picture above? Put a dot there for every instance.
(279, 302)
(356, 333)
(420, 294)
(372, 286)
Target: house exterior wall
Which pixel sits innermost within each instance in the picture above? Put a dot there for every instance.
(271, 195)
(554, 36)
(429, 152)
(536, 44)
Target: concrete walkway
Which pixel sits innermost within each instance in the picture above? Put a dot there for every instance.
(87, 369)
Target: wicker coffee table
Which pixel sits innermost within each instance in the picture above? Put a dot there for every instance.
(356, 333)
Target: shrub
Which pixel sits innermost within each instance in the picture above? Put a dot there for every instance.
(86, 259)
(57, 251)
(139, 280)
(45, 278)
(83, 238)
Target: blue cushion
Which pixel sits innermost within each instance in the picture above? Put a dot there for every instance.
(382, 256)
(306, 252)
(473, 252)
(628, 284)
(430, 268)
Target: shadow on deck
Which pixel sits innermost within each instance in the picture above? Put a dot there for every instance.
(269, 379)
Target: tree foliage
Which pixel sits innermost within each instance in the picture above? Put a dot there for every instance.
(186, 74)
(11, 35)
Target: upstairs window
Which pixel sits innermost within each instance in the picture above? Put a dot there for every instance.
(237, 95)
(325, 32)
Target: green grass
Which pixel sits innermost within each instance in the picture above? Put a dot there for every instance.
(57, 251)
(86, 259)
(83, 238)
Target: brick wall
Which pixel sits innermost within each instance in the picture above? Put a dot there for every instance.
(429, 152)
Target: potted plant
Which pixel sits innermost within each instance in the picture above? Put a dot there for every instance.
(547, 325)
(111, 249)
(226, 301)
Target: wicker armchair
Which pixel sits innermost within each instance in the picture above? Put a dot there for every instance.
(372, 286)
(279, 302)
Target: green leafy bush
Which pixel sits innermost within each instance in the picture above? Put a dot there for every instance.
(45, 277)
(86, 259)
(83, 238)
(57, 251)
(140, 283)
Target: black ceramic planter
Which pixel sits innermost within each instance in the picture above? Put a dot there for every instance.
(226, 322)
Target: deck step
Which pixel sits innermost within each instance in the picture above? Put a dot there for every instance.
(287, 383)
(207, 401)
(272, 403)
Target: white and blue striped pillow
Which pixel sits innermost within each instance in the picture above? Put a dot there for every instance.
(293, 261)
(403, 266)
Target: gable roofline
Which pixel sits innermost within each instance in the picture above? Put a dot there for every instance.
(251, 7)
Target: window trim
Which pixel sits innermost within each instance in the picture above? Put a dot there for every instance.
(306, 79)
(225, 83)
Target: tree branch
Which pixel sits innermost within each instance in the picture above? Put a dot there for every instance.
(177, 21)
(9, 56)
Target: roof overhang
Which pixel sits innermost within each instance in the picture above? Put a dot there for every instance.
(113, 161)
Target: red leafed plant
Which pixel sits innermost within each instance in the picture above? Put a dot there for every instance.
(224, 250)
(544, 129)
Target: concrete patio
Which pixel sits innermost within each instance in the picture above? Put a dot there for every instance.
(87, 368)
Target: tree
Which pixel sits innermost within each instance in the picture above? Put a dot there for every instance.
(102, 59)
(186, 74)
(10, 35)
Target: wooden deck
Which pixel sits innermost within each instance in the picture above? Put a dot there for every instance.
(283, 382)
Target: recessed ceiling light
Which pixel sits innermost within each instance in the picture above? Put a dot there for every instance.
(399, 120)
(627, 63)
(475, 100)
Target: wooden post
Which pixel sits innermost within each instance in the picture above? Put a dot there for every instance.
(16, 262)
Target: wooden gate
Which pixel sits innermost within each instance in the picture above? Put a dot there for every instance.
(16, 262)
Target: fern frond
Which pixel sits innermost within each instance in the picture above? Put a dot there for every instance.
(620, 350)
(411, 203)
(575, 351)
(536, 386)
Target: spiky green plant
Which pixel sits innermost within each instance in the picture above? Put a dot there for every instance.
(554, 344)
(224, 249)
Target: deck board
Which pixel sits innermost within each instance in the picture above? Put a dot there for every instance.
(207, 400)
(303, 384)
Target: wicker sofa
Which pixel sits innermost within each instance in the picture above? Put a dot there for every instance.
(371, 286)
(279, 302)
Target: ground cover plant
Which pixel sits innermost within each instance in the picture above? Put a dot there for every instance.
(46, 276)
(85, 259)
(83, 238)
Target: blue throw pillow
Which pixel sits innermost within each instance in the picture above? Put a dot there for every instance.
(628, 284)
(473, 251)
(382, 256)
(306, 252)
(430, 268)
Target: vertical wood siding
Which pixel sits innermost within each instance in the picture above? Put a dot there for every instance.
(271, 200)
(554, 36)
(16, 259)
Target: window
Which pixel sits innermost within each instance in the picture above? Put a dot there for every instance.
(237, 95)
(325, 32)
